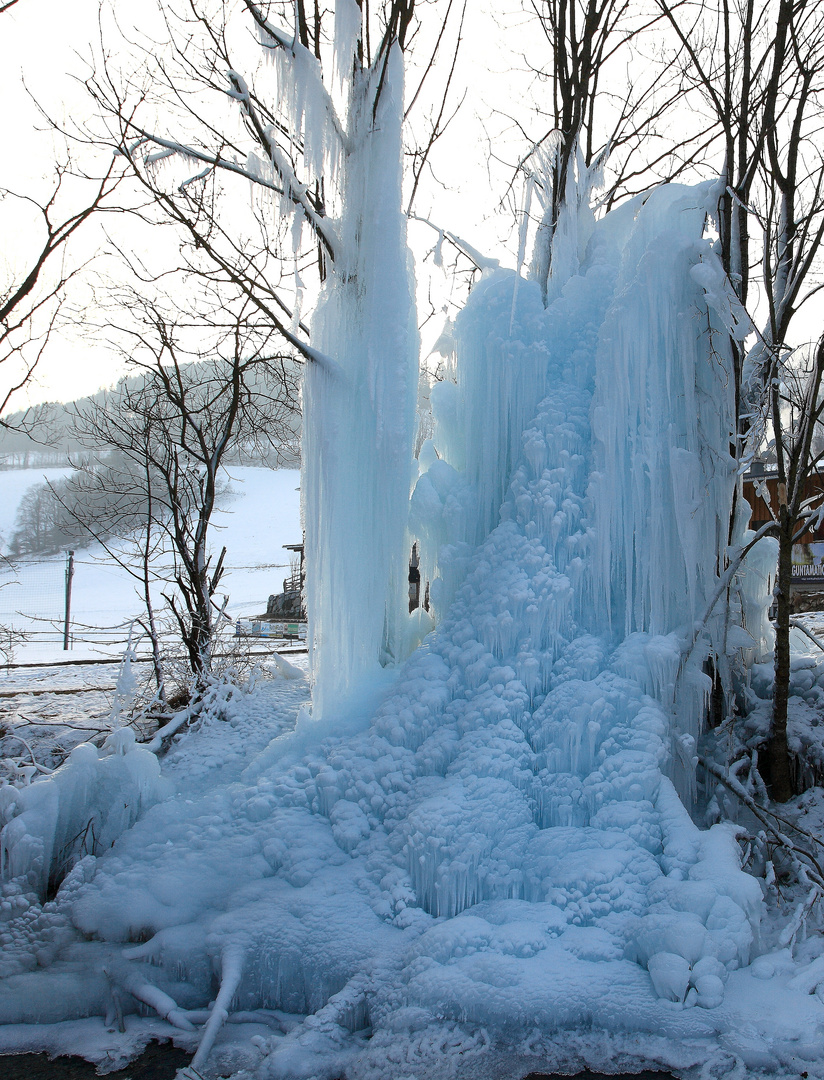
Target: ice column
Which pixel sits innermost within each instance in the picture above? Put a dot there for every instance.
(359, 417)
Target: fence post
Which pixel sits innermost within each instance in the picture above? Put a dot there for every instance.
(69, 576)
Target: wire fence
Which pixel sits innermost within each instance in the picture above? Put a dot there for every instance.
(105, 606)
(32, 593)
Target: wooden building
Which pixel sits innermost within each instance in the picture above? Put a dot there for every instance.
(760, 485)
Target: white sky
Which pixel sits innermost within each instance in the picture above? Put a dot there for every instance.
(40, 41)
(43, 42)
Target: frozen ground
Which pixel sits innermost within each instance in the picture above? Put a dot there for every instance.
(204, 778)
(215, 815)
(47, 709)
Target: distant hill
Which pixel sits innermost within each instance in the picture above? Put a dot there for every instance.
(44, 437)
(39, 438)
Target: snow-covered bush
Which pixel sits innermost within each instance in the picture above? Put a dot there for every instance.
(78, 810)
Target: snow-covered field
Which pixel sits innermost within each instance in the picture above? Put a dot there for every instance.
(49, 700)
(260, 516)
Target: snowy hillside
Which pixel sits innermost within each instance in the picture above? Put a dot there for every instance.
(261, 514)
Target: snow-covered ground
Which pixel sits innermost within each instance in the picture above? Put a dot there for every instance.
(196, 794)
(254, 522)
(48, 706)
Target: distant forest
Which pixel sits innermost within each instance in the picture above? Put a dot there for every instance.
(47, 437)
(105, 493)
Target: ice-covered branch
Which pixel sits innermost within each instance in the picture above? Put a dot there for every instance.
(291, 186)
(230, 976)
(724, 582)
(273, 37)
(767, 818)
(279, 38)
(800, 626)
(129, 979)
(481, 262)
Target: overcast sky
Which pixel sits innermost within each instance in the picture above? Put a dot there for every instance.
(45, 42)
(38, 43)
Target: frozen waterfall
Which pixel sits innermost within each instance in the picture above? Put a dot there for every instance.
(493, 873)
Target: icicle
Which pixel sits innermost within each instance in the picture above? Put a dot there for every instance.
(126, 685)
(231, 971)
(525, 207)
(347, 33)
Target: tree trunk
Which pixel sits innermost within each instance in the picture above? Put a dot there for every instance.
(200, 646)
(778, 752)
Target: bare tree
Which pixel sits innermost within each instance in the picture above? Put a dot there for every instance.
(600, 116)
(199, 388)
(31, 303)
(757, 67)
(797, 406)
(186, 89)
(758, 70)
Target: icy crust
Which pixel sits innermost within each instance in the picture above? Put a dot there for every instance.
(498, 856)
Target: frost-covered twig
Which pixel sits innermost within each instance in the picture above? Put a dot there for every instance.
(814, 873)
(481, 262)
(126, 685)
(799, 917)
(40, 768)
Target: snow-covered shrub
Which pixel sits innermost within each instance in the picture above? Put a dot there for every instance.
(80, 809)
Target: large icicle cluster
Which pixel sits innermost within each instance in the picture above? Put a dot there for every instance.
(661, 420)
(498, 853)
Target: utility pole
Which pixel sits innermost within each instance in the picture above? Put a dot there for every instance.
(69, 576)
